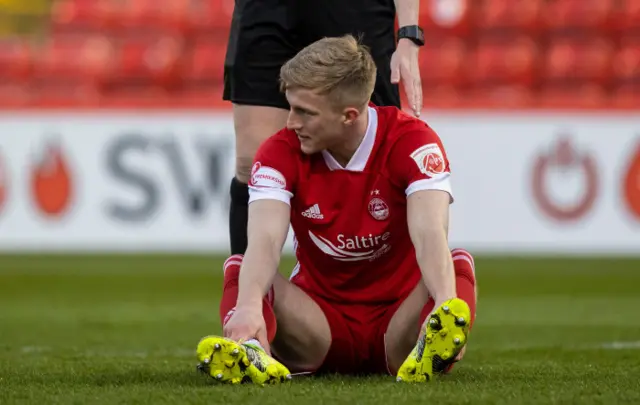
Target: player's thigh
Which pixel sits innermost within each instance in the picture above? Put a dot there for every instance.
(303, 338)
(253, 124)
(404, 327)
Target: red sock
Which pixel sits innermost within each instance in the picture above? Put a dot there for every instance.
(464, 268)
(465, 279)
(230, 296)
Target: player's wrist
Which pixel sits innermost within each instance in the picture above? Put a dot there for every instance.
(249, 304)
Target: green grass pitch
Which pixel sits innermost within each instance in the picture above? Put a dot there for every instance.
(123, 329)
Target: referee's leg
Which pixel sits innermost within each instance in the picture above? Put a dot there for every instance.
(259, 44)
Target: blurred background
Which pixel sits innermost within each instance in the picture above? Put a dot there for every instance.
(482, 53)
(116, 153)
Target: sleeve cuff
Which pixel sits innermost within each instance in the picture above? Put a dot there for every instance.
(441, 182)
(256, 194)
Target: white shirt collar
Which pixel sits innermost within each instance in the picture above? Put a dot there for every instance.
(361, 157)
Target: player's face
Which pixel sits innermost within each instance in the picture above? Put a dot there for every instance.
(318, 125)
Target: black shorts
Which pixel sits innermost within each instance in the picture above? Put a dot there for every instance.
(267, 33)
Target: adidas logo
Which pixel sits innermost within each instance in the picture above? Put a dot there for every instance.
(313, 212)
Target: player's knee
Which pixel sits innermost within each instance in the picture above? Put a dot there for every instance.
(253, 125)
(243, 168)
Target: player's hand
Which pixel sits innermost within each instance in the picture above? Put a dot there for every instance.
(245, 324)
(405, 68)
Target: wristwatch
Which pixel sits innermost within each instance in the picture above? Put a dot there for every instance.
(413, 33)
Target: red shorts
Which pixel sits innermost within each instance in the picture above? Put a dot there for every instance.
(358, 331)
(358, 336)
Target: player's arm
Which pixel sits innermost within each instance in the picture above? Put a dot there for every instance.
(267, 232)
(270, 191)
(428, 220)
(418, 164)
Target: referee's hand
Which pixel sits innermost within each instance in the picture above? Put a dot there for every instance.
(405, 68)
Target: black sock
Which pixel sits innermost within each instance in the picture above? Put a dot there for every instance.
(238, 216)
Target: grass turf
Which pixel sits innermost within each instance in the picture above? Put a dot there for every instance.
(123, 329)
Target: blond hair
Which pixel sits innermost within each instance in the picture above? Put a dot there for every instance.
(340, 67)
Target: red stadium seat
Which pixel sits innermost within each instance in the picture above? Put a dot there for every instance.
(74, 58)
(581, 14)
(627, 96)
(440, 96)
(523, 15)
(628, 18)
(500, 96)
(443, 61)
(210, 95)
(69, 15)
(205, 62)
(65, 94)
(211, 15)
(447, 16)
(150, 60)
(626, 63)
(570, 59)
(14, 95)
(15, 61)
(142, 15)
(507, 61)
(137, 95)
(585, 95)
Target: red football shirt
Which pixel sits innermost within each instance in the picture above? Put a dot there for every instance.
(350, 223)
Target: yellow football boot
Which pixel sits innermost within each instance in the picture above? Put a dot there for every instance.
(230, 362)
(444, 336)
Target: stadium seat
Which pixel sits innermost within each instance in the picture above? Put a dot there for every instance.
(586, 95)
(73, 15)
(447, 16)
(500, 60)
(211, 15)
(566, 15)
(152, 60)
(627, 96)
(626, 63)
(15, 61)
(65, 94)
(440, 96)
(499, 96)
(521, 15)
(628, 18)
(205, 62)
(138, 96)
(141, 15)
(74, 58)
(577, 60)
(13, 95)
(209, 95)
(444, 62)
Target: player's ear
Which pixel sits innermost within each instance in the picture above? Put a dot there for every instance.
(350, 115)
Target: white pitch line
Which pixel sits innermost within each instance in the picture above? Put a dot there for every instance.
(621, 345)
